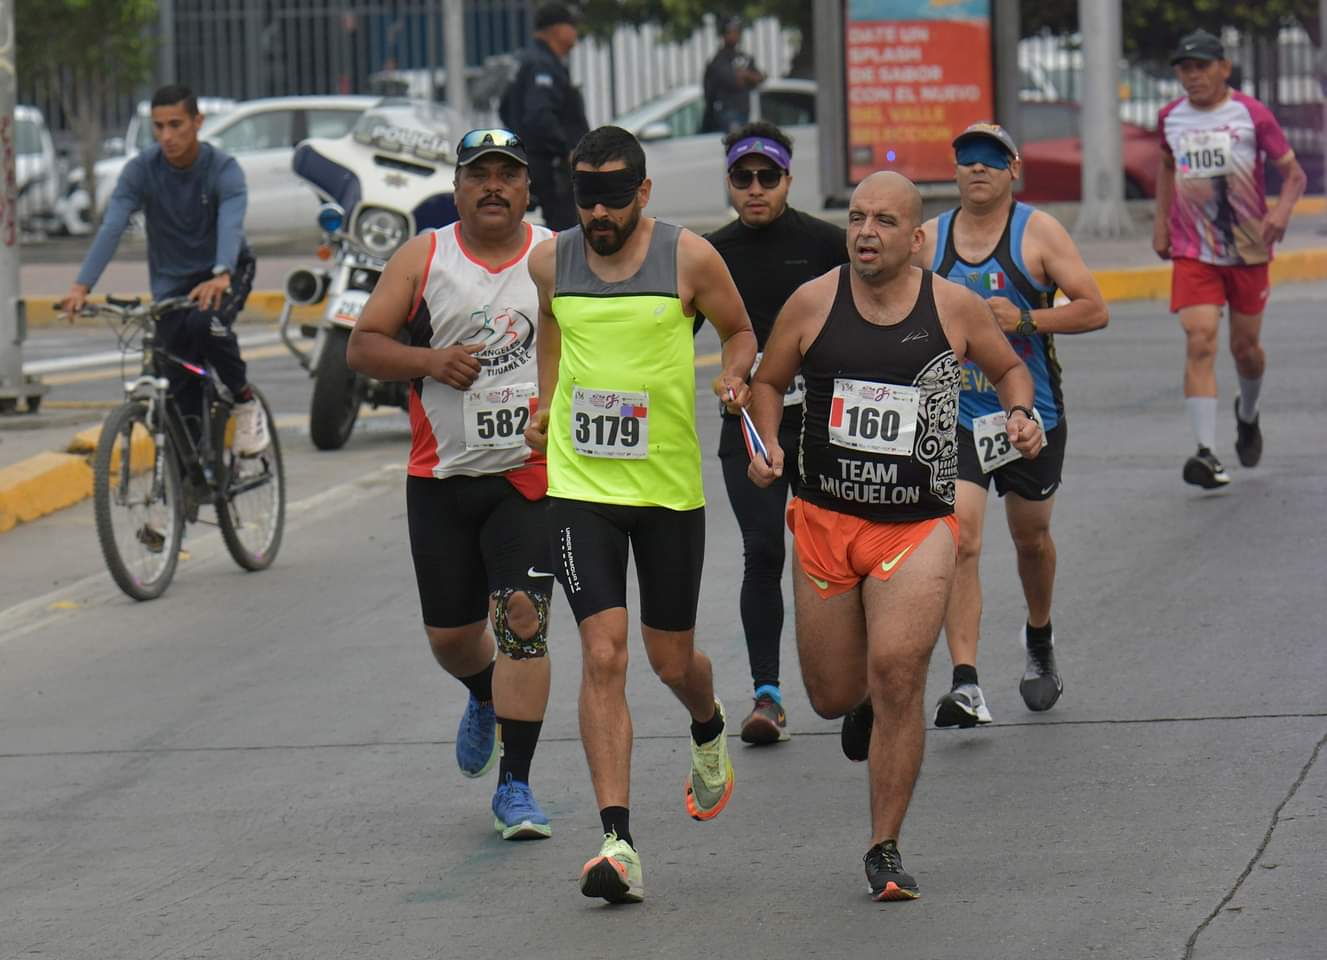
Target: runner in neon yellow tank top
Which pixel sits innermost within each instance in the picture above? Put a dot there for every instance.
(617, 414)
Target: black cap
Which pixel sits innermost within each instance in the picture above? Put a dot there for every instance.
(1199, 45)
(490, 141)
(551, 14)
(988, 131)
(732, 23)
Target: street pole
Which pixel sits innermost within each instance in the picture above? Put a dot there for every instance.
(166, 48)
(1102, 213)
(13, 329)
(454, 36)
(1322, 82)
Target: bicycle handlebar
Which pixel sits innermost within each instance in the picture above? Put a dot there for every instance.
(136, 308)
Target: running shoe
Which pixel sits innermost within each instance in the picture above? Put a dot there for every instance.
(855, 737)
(1041, 685)
(710, 781)
(964, 706)
(614, 874)
(477, 744)
(1248, 439)
(885, 877)
(516, 813)
(251, 434)
(766, 723)
(1204, 470)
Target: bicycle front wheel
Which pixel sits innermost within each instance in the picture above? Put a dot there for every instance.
(139, 503)
(251, 502)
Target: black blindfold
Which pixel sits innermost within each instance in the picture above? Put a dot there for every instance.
(614, 189)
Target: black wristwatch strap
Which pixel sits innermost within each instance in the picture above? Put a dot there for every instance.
(1027, 411)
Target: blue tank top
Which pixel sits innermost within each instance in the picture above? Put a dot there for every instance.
(1003, 274)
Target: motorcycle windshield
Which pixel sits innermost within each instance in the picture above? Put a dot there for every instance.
(411, 128)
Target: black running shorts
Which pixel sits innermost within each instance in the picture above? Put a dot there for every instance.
(669, 546)
(1031, 479)
(471, 536)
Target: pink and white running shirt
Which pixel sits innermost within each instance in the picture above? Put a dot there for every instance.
(1220, 202)
(480, 431)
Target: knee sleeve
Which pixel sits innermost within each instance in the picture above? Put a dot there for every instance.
(520, 648)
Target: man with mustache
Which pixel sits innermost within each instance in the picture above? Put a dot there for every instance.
(1212, 221)
(617, 414)
(1014, 257)
(771, 250)
(880, 344)
(474, 491)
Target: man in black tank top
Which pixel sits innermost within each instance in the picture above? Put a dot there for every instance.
(771, 250)
(880, 345)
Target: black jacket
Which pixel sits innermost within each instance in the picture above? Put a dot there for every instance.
(541, 106)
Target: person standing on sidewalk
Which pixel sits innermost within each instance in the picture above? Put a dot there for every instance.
(546, 111)
(474, 492)
(617, 414)
(728, 81)
(771, 250)
(193, 198)
(1015, 257)
(1212, 221)
(881, 344)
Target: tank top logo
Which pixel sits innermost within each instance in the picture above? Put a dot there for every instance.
(508, 338)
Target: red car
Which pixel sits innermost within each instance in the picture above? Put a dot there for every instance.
(1053, 165)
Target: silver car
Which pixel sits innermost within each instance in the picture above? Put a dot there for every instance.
(687, 166)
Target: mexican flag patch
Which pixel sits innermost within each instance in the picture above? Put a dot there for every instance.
(993, 281)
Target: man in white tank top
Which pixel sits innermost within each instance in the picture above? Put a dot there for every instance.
(454, 313)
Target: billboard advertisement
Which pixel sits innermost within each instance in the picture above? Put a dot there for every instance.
(918, 73)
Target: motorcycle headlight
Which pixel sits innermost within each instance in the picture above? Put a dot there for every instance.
(380, 232)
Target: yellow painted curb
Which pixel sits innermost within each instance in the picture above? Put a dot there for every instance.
(40, 485)
(1153, 283)
(44, 310)
(142, 450)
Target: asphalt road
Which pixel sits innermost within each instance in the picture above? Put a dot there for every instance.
(260, 765)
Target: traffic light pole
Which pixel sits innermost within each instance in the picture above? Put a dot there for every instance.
(13, 385)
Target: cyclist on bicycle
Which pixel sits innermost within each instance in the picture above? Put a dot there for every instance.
(193, 197)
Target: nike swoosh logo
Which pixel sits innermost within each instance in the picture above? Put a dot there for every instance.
(888, 565)
(534, 574)
(822, 584)
(917, 335)
(1047, 490)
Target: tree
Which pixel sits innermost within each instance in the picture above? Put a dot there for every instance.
(1153, 27)
(680, 18)
(87, 53)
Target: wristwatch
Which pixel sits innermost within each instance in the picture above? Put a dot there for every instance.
(1026, 325)
(1026, 411)
(219, 269)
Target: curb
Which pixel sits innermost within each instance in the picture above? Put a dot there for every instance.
(47, 482)
(262, 305)
(1118, 285)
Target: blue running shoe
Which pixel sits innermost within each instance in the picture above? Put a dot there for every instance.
(477, 739)
(516, 813)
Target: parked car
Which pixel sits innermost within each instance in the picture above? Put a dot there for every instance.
(261, 135)
(1052, 152)
(686, 166)
(36, 168)
(74, 213)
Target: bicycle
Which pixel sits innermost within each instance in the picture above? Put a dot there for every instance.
(155, 466)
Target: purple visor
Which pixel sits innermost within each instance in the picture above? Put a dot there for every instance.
(760, 147)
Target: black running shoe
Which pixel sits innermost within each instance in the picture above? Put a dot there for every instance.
(1204, 470)
(855, 737)
(1248, 439)
(1041, 685)
(885, 877)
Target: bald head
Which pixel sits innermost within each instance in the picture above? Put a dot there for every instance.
(887, 190)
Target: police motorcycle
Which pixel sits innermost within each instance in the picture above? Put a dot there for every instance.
(388, 179)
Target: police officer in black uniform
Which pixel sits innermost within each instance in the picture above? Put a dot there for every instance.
(547, 112)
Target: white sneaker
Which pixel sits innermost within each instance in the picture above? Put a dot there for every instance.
(963, 706)
(251, 434)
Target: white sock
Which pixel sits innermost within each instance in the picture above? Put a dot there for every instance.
(1248, 398)
(1202, 414)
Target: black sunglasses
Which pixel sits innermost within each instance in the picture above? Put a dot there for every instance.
(741, 177)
